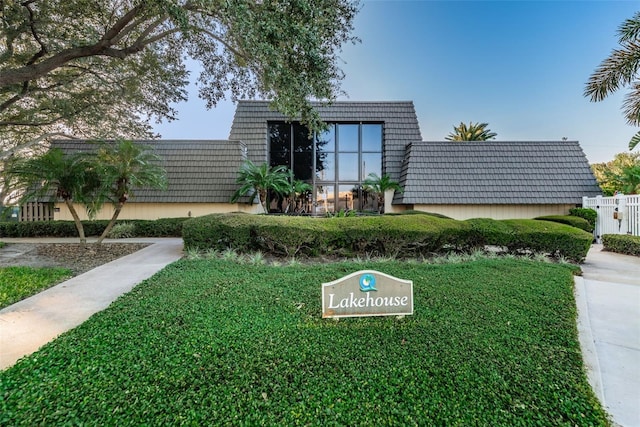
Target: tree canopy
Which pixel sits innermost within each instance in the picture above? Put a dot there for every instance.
(621, 174)
(471, 132)
(618, 70)
(106, 68)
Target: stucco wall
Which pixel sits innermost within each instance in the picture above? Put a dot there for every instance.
(153, 211)
(495, 211)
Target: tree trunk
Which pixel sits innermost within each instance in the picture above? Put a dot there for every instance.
(112, 222)
(76, 220)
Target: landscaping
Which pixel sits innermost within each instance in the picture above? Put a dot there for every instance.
(217, 342)
(17, 283)
(622, 244)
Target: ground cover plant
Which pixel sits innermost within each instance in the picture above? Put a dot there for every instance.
(17, 283)
(216, 342)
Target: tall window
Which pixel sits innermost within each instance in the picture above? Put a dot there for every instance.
(335, 162)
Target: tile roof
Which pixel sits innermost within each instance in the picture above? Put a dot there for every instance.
(495, 172)
(399, 117)
(197, 171)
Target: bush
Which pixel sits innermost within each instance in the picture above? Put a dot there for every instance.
(388, 235)
(622, 243)
(122, 230)
(574, 221)
(164, 227)
(585, 213)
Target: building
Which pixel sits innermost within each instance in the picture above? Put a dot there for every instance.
(497, 179)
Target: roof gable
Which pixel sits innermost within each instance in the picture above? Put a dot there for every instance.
(496, 172)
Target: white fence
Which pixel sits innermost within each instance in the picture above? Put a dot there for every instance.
(616, 215)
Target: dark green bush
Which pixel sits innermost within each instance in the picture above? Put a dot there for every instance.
(586, 213)
(574, 221)
(164, 227)
(622, 243)
(388, 235)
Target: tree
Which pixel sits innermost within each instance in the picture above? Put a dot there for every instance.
(71, 178)
(379, 185)
(124, 167)
(258, 181)
(296, 189)
(621, 174)
(105, 68)
(473, 132)
(618, 70)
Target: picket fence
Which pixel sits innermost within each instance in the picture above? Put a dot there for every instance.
(618, 214)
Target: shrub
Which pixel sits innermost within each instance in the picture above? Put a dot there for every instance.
(622, 243)
(387, 235)
(585, 213)
(122, 230)
(164, 227)
(574, 221)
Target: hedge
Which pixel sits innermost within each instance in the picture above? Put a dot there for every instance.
(586, 213)
(389, 235)
(574, 221)
(163, 227)
(622, 243)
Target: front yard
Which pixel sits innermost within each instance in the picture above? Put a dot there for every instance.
(215, 342)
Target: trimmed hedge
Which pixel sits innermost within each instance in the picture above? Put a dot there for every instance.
(163, 227)
(586, 213)
(398, 236)
(622, 244)
(574, 221)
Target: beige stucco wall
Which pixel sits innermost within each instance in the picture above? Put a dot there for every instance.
(153, 211)
(495, 211)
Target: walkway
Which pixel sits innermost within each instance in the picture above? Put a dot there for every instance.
(33, 322)
(608, 300)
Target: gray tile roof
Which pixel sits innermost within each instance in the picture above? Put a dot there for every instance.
(495, 172)
(197, 171)
(399, 117)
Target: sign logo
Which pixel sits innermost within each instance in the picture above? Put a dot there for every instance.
(367, 293)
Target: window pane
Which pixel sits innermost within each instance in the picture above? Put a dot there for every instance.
(302, 165)
(326, 166)
(301, 141)
(279, 144)
(347, 197)
(348, 166)
(325, 199)
(371, 137)
(348, 137)
(326, 141)
(371, 163)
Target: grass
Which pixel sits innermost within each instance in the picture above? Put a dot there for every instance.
(17, 283)
(214, 342)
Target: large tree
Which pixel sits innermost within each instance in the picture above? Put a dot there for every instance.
(105, 68)
(618, 70)
(622, 174)
(471, 132)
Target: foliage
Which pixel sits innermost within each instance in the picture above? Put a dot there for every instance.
(571, 220)
(106, 68)
(622, 174)
(296, 189)
(17, 283)
(472, 132)
(591, 215)
(122, 230)
(491, 342)
(258, 181)
(70, 177)
(124, 167)
(403, 236)
(163, 227)
(621, 69)
(622, 243)
(379, 185)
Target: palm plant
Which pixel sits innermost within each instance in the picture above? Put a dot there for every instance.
(621, 69)
(72, 178)
(378, 186)
(472, 132)
(124, 167)
(257, 181)
(296, 189)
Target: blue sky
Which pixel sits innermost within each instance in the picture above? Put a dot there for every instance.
(520, 66)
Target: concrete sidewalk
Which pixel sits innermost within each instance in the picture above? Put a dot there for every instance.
(33, 322)
(608, 301)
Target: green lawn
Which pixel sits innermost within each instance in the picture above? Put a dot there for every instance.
(211, 342)
(17, 283)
